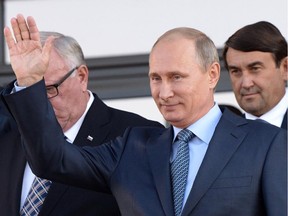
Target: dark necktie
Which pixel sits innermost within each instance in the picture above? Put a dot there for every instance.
(179, 169)
(36, 197)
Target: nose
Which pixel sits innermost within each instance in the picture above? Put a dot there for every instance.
(166, 91)
(247, 81)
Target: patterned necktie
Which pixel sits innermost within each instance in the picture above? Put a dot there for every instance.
(36, 197)
(179, 169)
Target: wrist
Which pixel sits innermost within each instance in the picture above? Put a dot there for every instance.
(27, 81)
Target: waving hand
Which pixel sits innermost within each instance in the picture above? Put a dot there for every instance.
(29, 60)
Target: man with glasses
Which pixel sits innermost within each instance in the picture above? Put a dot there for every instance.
(52, 90)
(84, 119)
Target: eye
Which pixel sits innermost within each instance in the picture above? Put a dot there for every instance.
(255, 68)
(234, 71)
(155, 78)
(177, 77)
(50, 89)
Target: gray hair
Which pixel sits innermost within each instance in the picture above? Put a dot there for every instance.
(206, 52)
(66, 46)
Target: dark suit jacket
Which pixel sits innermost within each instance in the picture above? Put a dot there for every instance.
(284, 122)
(102, 123)
(242, 174)
(12, 164)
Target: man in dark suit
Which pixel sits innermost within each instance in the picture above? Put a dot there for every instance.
(231, 165)
(84, 119)
(257, 61)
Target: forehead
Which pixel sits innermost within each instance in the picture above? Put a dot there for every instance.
(57, 68)
(174, 45)
(56, 63)
(235, 57)
(172, 53)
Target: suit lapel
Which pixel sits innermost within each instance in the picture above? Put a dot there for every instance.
(284, 122)
(96, 125)
(220, 150)
(158, 151)
(56, 191)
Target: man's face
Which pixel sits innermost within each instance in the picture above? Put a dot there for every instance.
(72, 99)
(257, 83)
(182, 90)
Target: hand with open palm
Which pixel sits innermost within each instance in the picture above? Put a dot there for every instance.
(29, 60)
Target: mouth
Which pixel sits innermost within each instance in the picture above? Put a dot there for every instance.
(249, 95)
(168, 106)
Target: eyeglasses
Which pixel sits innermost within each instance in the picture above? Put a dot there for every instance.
(52, 90)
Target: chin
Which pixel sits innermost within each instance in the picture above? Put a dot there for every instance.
(172, 119)
(252, 110)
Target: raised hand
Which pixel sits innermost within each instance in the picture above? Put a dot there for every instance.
(29, 60)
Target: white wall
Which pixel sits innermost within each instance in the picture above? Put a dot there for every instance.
(117, 27)
(111, 27)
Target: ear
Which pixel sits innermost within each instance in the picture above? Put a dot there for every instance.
(284, 68)
(82, 75)
(214, 75)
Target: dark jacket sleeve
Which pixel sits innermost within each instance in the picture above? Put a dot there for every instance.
(48, 153)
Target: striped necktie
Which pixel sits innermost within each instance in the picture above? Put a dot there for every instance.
(36, 197)
(179, 169)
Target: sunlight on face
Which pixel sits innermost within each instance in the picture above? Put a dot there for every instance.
(72, 99)
(179, 86)
(257, 83)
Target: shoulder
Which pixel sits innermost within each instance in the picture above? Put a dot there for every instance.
(261, 130)
(134, 119)
(122, 117)
(145, 132)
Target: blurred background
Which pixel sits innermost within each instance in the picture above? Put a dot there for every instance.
(116, 38)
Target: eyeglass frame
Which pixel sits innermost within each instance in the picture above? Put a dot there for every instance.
(57, 84)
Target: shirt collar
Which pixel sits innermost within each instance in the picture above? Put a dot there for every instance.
(72, 132)
(204, 128)
(275, 115)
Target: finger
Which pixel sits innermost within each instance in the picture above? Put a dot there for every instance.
(34, 32)
(16, 29)
(9, 38)
(25, 34)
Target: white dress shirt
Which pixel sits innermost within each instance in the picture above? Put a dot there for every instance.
(203, 129)
(274, 116)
